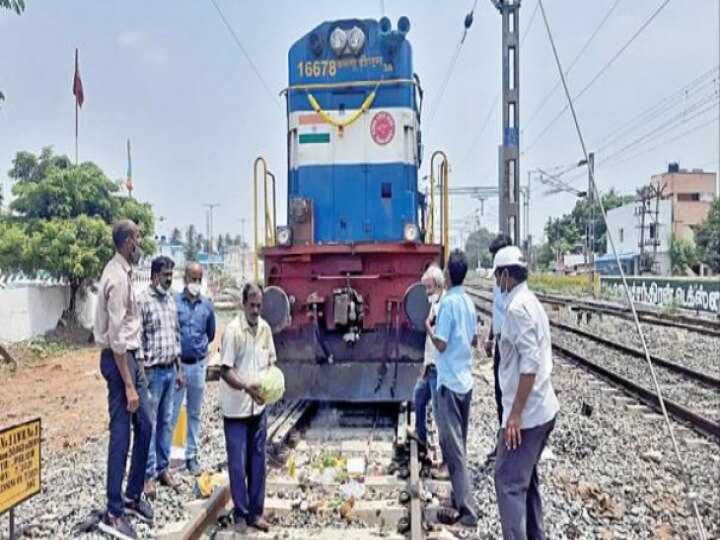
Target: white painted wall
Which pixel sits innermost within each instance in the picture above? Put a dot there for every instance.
(27, 311)
(624, 224)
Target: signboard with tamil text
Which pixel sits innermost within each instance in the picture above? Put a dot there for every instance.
(700, 294)
(19, 463)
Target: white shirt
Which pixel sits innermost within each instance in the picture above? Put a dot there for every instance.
(431, 351)
(525, 348)
(247, 354)
(498, 310)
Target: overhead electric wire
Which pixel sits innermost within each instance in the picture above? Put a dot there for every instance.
(244, 52)
(593, 186)
(656, 110)
(572, 63)
(451, 67)
(496, 99)
(602, 70)
(664, 105)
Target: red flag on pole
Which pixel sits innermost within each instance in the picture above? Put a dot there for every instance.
(77, 83)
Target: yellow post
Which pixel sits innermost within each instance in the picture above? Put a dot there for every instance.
(259, 159)
(444, 178)
(180, 434)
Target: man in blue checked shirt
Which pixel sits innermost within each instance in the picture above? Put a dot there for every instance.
(197, 331)
(160, 343)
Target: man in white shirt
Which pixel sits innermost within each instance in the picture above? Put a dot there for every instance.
(247, 349)
(426, 387)
(529, 402)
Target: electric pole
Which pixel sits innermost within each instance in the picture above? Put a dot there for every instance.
(210, 206)
(509, 158)
(591, 220)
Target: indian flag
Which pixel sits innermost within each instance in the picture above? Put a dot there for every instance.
(313, 136)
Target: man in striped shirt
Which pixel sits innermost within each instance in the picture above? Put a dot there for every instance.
(160, 339)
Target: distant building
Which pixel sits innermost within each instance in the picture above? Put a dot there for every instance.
(690, 194)
(642, 238)
(175, 251)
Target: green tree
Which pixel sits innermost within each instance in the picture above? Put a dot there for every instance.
(476, 247)
(682, 255)
(191, 250)
(176, 237)
(18, 6)
(220, 244)
(544, 256)
(228, 239)
(61, 221)
(568, 231)
(707, 237)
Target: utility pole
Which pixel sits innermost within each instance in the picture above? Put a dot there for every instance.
(591, 220)
(509, 158)
(210, 207)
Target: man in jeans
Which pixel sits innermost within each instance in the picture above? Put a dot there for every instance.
(117, 331)
(197, 330)
(529, 402)
(161, 348)
(455, 337)
(426, 387)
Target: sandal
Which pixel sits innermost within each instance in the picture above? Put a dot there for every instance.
(448, 516)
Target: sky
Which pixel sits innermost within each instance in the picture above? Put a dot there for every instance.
(169, 76)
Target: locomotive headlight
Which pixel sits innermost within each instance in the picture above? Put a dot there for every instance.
(283, 234)
(411, 233)
(338, 40)
(356, 39)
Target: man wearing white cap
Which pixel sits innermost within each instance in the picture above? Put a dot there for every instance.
(529, 402)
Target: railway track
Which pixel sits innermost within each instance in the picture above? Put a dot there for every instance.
(697, 324)
(319, 454)
(689, 395)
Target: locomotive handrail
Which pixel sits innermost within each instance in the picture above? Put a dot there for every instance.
(445, 208)
(269, 221)
(349, 84)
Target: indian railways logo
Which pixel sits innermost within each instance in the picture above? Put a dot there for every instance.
(382, 128)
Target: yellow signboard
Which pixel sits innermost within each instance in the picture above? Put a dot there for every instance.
(19, 463)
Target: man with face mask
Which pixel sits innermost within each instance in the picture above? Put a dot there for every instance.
(247, 349)
(117, 331)
(529, 402)
(493, 340)
(160, 339)
(426, 387)
(197, 330)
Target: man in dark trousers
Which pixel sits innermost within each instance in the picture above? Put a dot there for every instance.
(117, 331)
(455, 337)
(492, 343)
(247, 349)
(529, 402)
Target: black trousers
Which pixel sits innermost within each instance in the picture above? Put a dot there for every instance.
(496, 373)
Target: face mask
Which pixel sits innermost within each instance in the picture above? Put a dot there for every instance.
(135, 254)
(161, 290)
(433, 298)
(193, 289)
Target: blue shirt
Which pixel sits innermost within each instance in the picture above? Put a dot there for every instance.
(499, 308)
(197, 325)
(457, 326)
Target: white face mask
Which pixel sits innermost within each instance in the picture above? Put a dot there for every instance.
(433, 298)
(193, 288)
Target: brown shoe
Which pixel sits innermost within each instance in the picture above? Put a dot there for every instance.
(149, 488)
(260, 524)
(167, 480)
